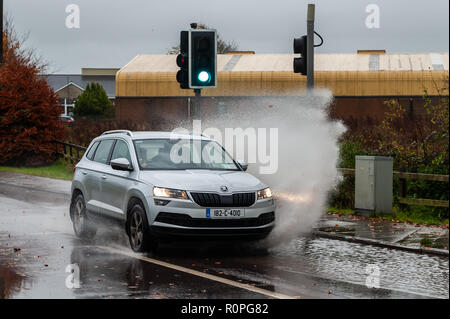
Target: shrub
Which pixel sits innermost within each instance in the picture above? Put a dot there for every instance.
(29, 112)
(93, 102)
(418, 145)
(344, 195)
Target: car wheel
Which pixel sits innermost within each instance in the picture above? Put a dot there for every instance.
(138, 231)
(82, 227)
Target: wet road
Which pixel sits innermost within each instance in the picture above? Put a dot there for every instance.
(37, 245)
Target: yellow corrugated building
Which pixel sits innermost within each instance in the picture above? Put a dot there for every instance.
(147, 90)
(362, 74)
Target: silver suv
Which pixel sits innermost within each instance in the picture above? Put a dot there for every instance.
(161, 185)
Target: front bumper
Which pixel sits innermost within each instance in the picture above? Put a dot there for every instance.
(187, 220)
(169, 225)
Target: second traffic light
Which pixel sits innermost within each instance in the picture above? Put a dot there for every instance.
(183, 61)
(300, 46)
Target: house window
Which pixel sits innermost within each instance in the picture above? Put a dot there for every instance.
(67, 106)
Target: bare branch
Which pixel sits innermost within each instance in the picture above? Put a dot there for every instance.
(223, 47)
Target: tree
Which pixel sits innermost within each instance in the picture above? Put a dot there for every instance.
(223, 47)
(93, 101)
(29, 111)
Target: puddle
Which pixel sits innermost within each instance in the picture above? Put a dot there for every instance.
(402, 233)
(399, 270)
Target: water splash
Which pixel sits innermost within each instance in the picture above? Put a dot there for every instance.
(308, 155)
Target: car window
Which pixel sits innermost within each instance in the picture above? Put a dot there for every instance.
(102, 152)
(91, 151)
(171, 154)
(121, 151)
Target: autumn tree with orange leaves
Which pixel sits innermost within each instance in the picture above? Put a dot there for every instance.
(29, 111)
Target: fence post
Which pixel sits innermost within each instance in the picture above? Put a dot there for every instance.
(71, 154)
(65, 152)
(403, 192)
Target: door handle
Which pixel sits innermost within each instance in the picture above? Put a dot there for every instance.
(84, 173)
(104, 177)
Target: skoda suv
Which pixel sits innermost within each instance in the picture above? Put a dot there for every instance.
(162, 185)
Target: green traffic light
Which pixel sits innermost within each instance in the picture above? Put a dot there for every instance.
(204, 76)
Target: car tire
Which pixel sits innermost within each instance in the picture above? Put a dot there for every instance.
(83, 228)
(138, 230)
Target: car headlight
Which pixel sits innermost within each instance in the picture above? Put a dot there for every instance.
(169, 193)
(264, 193)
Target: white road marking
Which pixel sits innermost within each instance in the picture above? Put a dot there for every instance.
(201, 274)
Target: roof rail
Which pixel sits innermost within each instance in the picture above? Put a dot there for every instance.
(199, 134)
(119, 132)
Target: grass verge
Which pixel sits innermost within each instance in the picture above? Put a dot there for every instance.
(58, 170)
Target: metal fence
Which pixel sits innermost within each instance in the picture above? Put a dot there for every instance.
(403, 176)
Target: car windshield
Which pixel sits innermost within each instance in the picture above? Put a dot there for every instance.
(181, 154)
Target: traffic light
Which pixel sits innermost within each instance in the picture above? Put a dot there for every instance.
(202, 59)
(300, 45)
(183, 61)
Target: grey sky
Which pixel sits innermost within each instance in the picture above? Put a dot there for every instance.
(114, 31)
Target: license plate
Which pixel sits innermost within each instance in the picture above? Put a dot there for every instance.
(224, 213)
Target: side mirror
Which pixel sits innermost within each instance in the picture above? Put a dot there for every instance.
(243, 165)
(121, 164)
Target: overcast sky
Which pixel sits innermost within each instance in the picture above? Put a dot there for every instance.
(112, 32)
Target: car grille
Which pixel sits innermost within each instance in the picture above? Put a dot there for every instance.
(216, 200)
(188, 221)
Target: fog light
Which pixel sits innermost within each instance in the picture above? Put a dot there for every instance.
(161, 202)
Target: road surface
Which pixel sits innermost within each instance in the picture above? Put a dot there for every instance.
(37, 245)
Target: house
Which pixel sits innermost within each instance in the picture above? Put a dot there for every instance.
(69, 87)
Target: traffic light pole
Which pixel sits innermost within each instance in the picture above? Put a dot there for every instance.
(197, 105)
(310, 48)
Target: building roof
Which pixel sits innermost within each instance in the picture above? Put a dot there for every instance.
(99, 71)
(283, 62)
(59, 81)
(272, 74)
(67, 85)
(69, 91)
